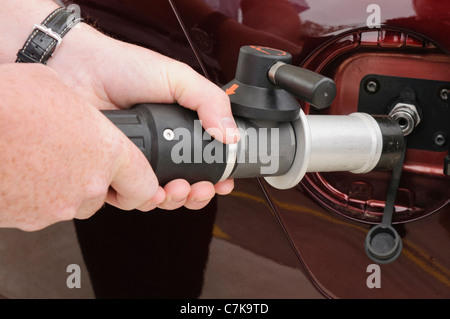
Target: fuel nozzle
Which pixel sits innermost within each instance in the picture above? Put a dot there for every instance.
(279, 142)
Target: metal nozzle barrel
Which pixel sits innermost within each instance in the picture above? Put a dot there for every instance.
(357, 143)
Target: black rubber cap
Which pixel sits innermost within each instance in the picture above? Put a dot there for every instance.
(383, 244)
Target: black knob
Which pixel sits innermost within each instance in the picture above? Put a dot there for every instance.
(252, 95)
(266, 85)
(311, 87)
(255, 62)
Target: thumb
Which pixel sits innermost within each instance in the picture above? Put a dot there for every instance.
(157, 78)
(134, 182)
(195, 92)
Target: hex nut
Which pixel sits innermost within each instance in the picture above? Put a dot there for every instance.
(407, 113)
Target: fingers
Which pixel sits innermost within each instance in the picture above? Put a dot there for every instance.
(159, 198)
(175, 194)
(135, 186)
(225, 187)
(179, 193)
(195, 92)
(200, 195)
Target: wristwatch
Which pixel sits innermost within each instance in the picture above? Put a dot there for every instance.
(47, 36)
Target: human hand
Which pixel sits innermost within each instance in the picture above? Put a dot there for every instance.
(111, 75)
(60, 155)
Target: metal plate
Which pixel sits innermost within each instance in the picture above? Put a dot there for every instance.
(381, 95)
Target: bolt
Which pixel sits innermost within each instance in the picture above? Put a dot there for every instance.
(439, 139)
(168, 134)
(443, 94)
(371, 86)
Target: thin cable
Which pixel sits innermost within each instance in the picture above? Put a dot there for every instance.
(188, 37)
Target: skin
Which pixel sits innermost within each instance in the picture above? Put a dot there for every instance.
(64, 158)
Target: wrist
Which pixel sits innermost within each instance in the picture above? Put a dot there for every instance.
(75, 45)
(78, 54)
(47, 36)
(16, 22)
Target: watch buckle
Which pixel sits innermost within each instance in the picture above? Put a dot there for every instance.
(50, 33)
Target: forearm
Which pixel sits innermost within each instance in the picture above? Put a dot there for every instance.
(17, 18)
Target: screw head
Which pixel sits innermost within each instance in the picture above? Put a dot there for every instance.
(169, 134)
(440, 139)
(372, 86)
(443, 94)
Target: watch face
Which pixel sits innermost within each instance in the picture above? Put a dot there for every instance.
(203, 40)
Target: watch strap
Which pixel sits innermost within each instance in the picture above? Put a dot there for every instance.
(47, 36)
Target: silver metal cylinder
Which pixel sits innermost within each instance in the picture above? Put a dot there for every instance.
(356, 143)
(352, 143)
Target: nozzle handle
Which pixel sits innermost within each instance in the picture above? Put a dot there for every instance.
(308, 86)
(172, 139)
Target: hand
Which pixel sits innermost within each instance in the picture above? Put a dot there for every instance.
(111, 74)
(60, 154)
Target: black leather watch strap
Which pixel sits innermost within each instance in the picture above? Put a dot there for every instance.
(47, 36)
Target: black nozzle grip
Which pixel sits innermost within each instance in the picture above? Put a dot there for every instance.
(136, 125)
(173, 141)
(308, 86)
